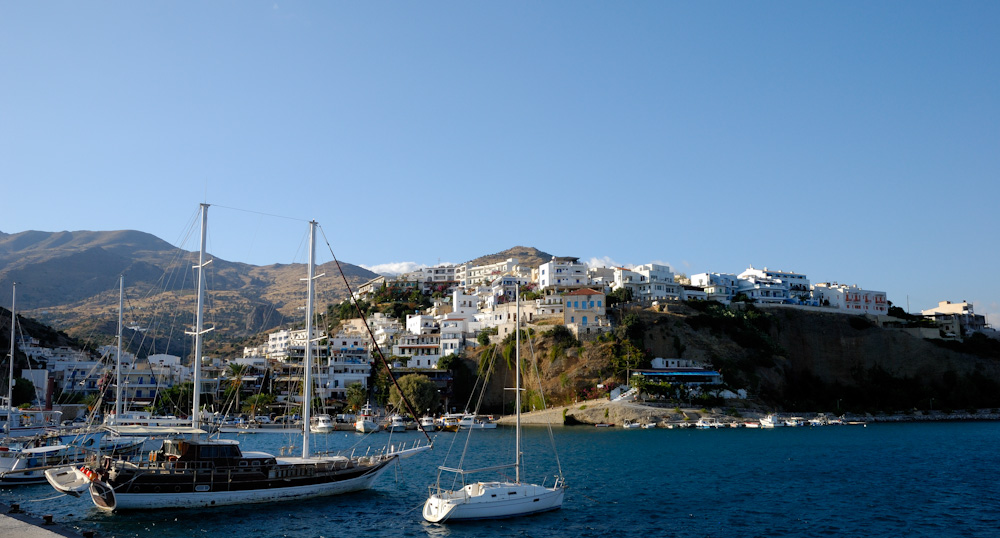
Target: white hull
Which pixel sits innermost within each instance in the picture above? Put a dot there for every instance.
(69, 480)
(154, 501)
(491, 500)
(366, 426)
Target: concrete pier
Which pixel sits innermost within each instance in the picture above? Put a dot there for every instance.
(15, 523)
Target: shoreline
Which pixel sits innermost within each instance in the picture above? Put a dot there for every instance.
(602, 411)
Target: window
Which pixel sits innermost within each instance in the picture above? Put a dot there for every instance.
(598, 304)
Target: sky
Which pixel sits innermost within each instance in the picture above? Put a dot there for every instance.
(855, 142)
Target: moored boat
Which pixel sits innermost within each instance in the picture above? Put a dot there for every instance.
(495, 499)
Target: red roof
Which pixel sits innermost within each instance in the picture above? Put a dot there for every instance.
(585, 291)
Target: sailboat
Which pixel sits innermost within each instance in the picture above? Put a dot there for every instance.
(198, 472)
(498, 499)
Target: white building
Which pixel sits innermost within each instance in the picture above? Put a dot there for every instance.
(648, 282)
(796, 285)
(851, 299)
(441, 278)
(961, 312)
(719, 287)
(348, 362)
(419, 350)
(484, 274)
(563, 273)
(385, 329)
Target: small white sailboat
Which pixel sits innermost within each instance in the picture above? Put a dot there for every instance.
(498, 499)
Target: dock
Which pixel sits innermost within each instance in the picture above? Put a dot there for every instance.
(15, 522)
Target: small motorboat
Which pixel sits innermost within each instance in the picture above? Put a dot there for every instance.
(69, 480)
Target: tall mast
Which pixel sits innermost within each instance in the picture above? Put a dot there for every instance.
(10, 380)
(196, 396)
(307, 360)
(118, 359)
(517, 385)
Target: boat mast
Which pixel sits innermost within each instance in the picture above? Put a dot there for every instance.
(307, 360)
(118, 359)
(196, 396)
(517, 385)
(10, 380)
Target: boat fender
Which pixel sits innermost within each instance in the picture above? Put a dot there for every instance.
(152, 456)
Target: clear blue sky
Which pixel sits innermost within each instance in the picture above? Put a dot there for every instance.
(855, 142)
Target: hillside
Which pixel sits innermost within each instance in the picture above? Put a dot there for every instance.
(786, 359)
(526, 256)
(69, 280)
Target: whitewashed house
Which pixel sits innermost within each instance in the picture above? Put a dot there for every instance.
(563, 273)
(719, 287)
(796, 285)
(851, 299)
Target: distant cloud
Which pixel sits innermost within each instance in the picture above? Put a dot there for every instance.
(602, 262)
(394, 268)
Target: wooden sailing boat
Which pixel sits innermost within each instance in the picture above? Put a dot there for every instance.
(499, 499)
(199, 472)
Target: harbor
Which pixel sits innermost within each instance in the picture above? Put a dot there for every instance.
(845, 481)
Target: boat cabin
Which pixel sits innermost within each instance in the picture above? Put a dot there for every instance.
(220, 454)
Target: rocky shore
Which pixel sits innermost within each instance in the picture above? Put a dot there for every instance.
(603, 411)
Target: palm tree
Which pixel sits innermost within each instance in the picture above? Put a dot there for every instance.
(256, 402)
(235, 374)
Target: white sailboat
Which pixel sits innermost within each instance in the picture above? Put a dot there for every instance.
(197, 473)
(498, 499)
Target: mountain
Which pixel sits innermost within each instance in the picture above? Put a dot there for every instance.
(69, 280)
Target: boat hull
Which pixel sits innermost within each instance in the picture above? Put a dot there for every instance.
(106, 498)
(491, 500)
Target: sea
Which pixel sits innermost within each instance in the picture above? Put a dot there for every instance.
(911, 479)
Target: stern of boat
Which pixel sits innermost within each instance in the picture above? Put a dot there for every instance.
(103, 495)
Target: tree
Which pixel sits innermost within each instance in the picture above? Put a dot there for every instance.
(620, 295)
(257, 403)
(235, 383)
(357, 396)
(419, 390)
(23, 392)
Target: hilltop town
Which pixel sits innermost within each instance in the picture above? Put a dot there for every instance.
(438, 321)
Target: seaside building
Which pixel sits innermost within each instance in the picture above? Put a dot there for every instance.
(960, 313)
(648, 282)
(584, 312)
(850, 299)
(561, 273)
(349, 360)
(767, 285)
(719, 287)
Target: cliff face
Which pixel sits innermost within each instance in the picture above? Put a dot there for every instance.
(786, 359)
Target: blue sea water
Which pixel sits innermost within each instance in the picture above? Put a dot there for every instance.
(923, 479)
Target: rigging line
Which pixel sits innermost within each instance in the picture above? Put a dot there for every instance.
(372, 335)
(541, 394)
(297, 219)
